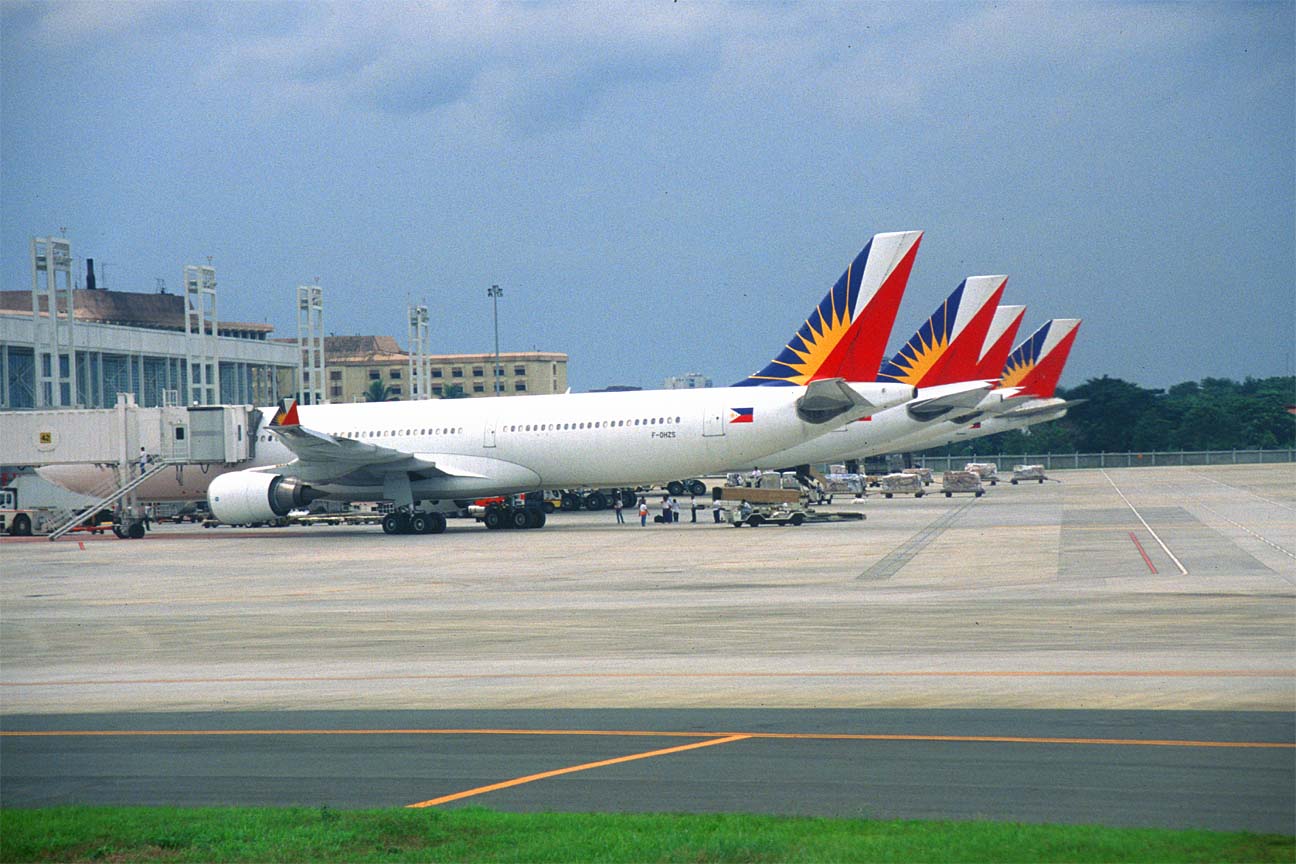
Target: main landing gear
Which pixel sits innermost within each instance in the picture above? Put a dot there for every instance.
(417, 522)
(507, 516)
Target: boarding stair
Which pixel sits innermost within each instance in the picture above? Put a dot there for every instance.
(110, 499)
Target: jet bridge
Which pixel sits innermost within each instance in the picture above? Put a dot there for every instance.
(117, 436)
(137, 442)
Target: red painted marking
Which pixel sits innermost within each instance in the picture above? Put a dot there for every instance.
(1146, 559)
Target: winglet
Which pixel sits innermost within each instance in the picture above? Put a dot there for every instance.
(287, 414)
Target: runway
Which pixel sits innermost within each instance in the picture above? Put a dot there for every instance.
(1223, 770)
(1125, 597)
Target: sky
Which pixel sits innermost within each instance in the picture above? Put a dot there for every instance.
(666, 187)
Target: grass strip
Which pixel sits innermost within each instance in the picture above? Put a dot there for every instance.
(130, 834)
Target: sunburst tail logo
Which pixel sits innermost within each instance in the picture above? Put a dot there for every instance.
(1036, 364)
(821, 346)
(912, 362)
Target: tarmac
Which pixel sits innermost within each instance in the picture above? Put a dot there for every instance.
(1033, 596)
(1118, 598)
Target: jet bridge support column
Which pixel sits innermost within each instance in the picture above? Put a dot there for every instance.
(310, 341)
(54, 332)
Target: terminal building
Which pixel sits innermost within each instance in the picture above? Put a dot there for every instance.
(124, 342)
(63, 346)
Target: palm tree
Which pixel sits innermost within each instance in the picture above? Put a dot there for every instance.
(378, 392)
(453, 391)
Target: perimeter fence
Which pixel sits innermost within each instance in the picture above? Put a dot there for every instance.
(1059, 461)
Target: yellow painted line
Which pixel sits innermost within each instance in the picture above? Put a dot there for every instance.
(530, 778)
(619, 676)
(1016, 739)
(713, 737)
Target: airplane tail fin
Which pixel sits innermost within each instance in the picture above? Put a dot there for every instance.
(287, 414)
(999, 341)
(845, 336)
(946, 349)
(1036, 364)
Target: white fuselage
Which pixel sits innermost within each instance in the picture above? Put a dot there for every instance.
(519, 443)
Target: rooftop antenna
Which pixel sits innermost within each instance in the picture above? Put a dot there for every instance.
(161, 285)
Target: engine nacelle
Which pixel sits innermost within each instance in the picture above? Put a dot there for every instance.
(245, 497)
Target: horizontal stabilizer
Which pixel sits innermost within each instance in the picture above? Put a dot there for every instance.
(1038, 408)
(934, 402)
(828, 399)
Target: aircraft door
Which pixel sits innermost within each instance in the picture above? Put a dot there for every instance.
(488, 434)
(713, 422)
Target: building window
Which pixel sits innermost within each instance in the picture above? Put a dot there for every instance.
(479, 387)
(519, 370)
(395, 390)
(456, 373)
(395, 374)
(436, 373)
(436, 388)
(335, 390)
(375, 375)
(478, 372)
(519, 386)
(335, 374)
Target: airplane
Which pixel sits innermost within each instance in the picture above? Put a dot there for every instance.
(940, 359)
(427, 457)
(474, 447)
(1032, 370)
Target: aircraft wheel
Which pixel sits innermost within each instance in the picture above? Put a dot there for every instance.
(548, 507)
(136, 531)
(570, 501)
(596, 501)
(696, 487)
(675, 488)
(436, 523)
(520, 519)
(394, 523)
(494, 518)
(21, 526)
(418, 523)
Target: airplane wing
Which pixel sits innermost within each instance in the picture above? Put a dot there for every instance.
(322, 457)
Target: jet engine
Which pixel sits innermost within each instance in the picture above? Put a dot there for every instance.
(245, 497)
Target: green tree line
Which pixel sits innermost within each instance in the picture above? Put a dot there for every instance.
(1211, 414)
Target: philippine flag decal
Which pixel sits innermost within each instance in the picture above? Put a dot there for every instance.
(741, 415)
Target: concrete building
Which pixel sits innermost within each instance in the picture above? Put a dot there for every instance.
(687, 381)
(353, 364)
(136, 343)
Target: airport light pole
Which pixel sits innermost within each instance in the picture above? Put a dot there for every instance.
(495, 292)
